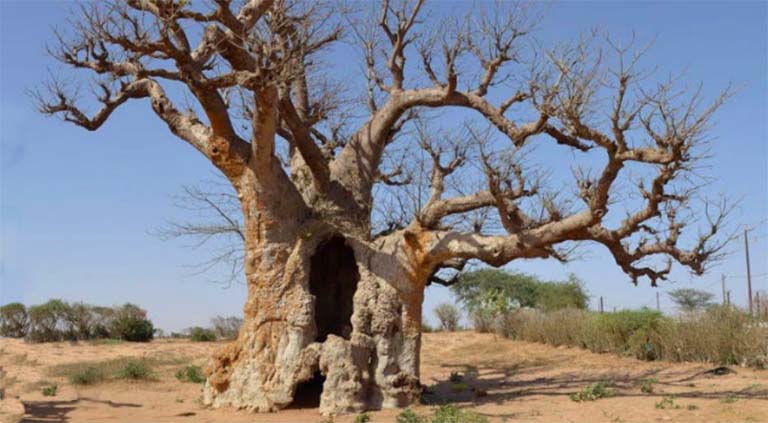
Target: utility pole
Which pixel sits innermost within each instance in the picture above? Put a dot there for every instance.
(728, 297)
(658, 304)
(601, 304)
(749, 272)
(722, 280)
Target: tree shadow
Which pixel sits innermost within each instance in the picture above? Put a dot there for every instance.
(58, 411)
(491, 384)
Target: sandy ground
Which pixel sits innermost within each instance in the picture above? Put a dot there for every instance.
(504, 380)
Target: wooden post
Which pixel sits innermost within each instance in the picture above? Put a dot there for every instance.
(749, 272)
(601, 304)
(722, 281)
(658, 303)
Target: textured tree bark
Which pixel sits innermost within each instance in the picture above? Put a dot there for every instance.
(324, 306)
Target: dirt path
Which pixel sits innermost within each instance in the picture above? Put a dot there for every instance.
(504, 380)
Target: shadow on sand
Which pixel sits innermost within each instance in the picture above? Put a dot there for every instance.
(58, 411)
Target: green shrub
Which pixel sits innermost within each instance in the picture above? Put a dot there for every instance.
(89, 376)
(363, 418)
(50, 390)
(448, 315)
(14, 320)
(667, 403)
(129, 323)
(192, 374)
(452, 414)
(647, 386)
(592, 392)
(198, 334)
(408, 416)
(135, 370)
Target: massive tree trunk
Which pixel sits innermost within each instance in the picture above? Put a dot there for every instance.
(331, 318)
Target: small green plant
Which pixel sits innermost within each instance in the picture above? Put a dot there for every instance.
(362, 418)
(451, 414)
(667, 403)
(592, 392)
(691, 407)
(647, 386)
(192, 374)
(730, 399)
(50, 390)
(408, 416)
(135, 370)
(180, 400)
(88, 376)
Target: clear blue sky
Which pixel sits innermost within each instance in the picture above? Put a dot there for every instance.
(77, 207)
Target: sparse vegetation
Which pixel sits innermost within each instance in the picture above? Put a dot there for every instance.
(593, 392)
(192, 374)
(667, 403)
(408, 416)
(88, 376)
(50, 390)
(448, 315)
(363, 418)
(723, 335)
(730, 399)
(452, 414)
(647, 386)
(135, 370)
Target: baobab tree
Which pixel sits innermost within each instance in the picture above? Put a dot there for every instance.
(342, 225)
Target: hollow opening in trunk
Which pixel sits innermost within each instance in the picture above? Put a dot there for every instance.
(307, 393)
(333, 280)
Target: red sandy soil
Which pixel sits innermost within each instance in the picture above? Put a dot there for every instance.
(502, 379)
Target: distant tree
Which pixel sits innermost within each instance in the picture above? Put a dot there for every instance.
(13, 320)
(45, 321)
(689, 299)
(475, 289)
(129, 323)
(79, 318)
(559, 295)
(226, 327)
(495, 291)
(448, 315)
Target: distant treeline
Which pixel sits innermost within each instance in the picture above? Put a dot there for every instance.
(57, 320)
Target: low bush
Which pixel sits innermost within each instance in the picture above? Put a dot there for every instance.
(88, 376)
(722, 335)
(192, 374)
(452, 414)
(135, 370)
(592, 392)
(408, 416)
(198, 334)
(50, 390)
